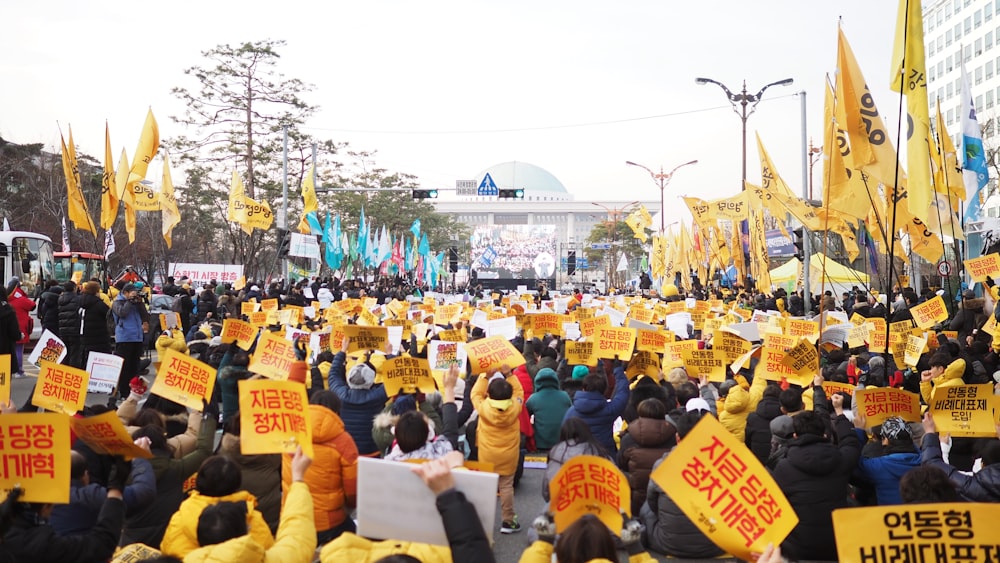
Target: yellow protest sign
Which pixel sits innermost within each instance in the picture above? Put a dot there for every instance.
(803, 359)
(984, 266)
(673, 356)
(34, 455)
(725, 491)
(274, 417)
(614, 341)
(772, 362)
(930, 312)
(60, 388)
(240, 332)
(990, 327)
(453, 335)
(858, 335)
(879, 403)
(899, 330)
(780, 342)
(712, 325)
(710, 363)
(803, 329)
(857, 319)
(914, 348)
(407, 326)
(580, 353)
(916, 532)
(367, 337)
(5, 375)
(731, 345)
(183, 379)
(269, 304)
(489, 354)
(407, 375)
(641, 314)
(644, 363)
(258, 318)
(583, 313)
(877, 338)
(105, 434)
(589, 326)
(676, 307)
(289, 316)
(964, 410)
(652, 340)
(273, 357)
(588, 484)
(832, 387)
(547, 323)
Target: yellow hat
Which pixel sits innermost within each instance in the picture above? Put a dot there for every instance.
(669, 290)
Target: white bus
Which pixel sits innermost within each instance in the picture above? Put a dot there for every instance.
(29, 257)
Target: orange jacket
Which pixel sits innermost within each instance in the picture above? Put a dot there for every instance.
(333, 475)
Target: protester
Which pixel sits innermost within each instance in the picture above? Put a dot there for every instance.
(69, 325)
(737, 400)
(645, 441)
(361, 399)
(94, 335)
(130, 327)
(260, 474)
(498, 399)
(574, 439)
(587, 539)
(897, 457)
(981, 486)
(10, 332)
(757, 433)
(599, 413)
(547, 405)
(23, 306)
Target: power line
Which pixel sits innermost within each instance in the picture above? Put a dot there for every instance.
(540, 128)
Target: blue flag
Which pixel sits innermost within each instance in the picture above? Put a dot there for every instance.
(415, 227)
(975, 171)
(424, 248)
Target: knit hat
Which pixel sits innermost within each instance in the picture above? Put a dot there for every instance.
(12, 283)
(579, 372)
(894, 428)
(545, 372)
(404, 403)
(128, 287)
(361, 377)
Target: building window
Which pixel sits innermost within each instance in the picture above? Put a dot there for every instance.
(948, 63)
(979, 75)
(940, 93)
(979, 47)
(989, 99)
(968, 53)
(977, 19)
(930, 47)
(991, 212)
(988, 39)
(979, 101)
(988, 11)
(950, 89)
(958, 31)
(989, 69)
(948, 37)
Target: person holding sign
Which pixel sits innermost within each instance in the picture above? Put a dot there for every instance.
(898, 456)
(591, 405)
(361, 399)
(587, 539)
(499, 399)
(982, 486)
(131, 325)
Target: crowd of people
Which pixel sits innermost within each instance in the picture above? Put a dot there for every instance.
(199, 498)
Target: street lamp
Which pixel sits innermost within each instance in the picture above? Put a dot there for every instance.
(613, 214)
(743, 100)
(662, 179)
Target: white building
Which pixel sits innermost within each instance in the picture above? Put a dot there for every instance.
(546, 202)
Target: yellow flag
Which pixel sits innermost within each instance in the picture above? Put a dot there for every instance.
(109, 193)
(634, 221)
(236, 194)
(844, 189)
(149, 144)
(125, 195)
(736, 248)
(76, 204)
(948, 169)
(171, 215)
(701, 210)
(908, 77)
(309, 202)
(759, 262)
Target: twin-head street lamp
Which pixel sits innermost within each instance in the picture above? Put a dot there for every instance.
(744, 105)
(662, 179)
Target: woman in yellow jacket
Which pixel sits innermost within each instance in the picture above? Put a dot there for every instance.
(498, 400)
(587, 539)
(942, 373)
(223, 538)
(738, 402)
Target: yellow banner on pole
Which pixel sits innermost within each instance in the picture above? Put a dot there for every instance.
(930, 312)
(105, 434)
(274, 417)
(725, 491)
(614, 341)
(588, 484)
(34, 450)
(580, 353)
(407, 375)
(61, 388)
(183, 379)
(489, 354)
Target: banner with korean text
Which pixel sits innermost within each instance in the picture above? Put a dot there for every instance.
(274, 417)
(588, 484)
(61, 388)
(183, 379)
(105, 434)
(34, 455)
(488, 354)
(879, 403)
(273, 357)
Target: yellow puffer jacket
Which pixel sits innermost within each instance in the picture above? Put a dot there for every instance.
(498, 435)
(739, 403)
(952, 376)
(349, 547)
(541, 552)
(296, 541)
(333, 475)
(170, 339)
(181, 537)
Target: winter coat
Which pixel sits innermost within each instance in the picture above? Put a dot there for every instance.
(548, 404)
(757, 435)
(359, 407)
(228, 379)
(982, 486)
(10, 332)
(970, 316)
(181, 537)
(149, 524)
(885, 471)
(325, 297)
(94, 335)
(207, 303)
(69, 317)
(498, 434)
(294, 543)
(560, 454)
(128, 319)
(599, 413)
(645, 442)
(542, 551)
(180, 444)
(738, 404)
(23, 306)
(384, 421)
(524, 419)
(814, 475)
(670, 531)
(466, 539)
(261, 477)
(48, 309)
(39, 543)
(86, 501)
(333, 476)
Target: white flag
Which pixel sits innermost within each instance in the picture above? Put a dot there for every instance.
(65, 235)
(109, 244)
(6, 225)
(622, 264)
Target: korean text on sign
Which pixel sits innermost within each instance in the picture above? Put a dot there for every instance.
(488, 354)
(725, 490)
(879, 403)
(589, 485)
(106, 434)
(34, 454)
(918, 533)
(60, 388)
(184, 380)
(273, 357)
(274, 417)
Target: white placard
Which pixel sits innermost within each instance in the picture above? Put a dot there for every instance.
(304, 246)
(395, 334)
(104, 370)
(52, 346)
(437, 360)
(394, 503)
(506, 327)
(480, 319)
(617, 317)
(314, 342)
(309, 312)
(203, 273)
(308, 292)
(572, 331)
(632, 323)
(690, 303)
(170, 321)
(522, 289)
(678, 323)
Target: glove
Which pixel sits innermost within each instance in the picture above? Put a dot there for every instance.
(545, 527)
(138, 386)
(210, 409)
(119, 473)
(631, 534)
(300, 350)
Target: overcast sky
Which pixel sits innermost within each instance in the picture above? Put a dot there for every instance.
(443, 90)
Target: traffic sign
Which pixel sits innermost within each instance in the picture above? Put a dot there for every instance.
(488, 186)
(600, 246)
(944, 268)
(465, 187)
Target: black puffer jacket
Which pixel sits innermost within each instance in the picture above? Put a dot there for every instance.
(28, 541)
(758, 429)
(971, 315)
(643, 444)
(94, 336)
(982, 486)
(814, 475)
(48, 309)
(670, 530)
(69, 317)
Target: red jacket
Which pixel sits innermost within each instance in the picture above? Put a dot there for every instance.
(23, 305)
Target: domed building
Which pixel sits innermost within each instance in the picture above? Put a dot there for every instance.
(526, 241)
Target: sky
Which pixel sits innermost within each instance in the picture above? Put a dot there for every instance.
(445, 89)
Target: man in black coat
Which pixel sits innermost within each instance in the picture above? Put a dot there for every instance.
(814, 475)
(69, 325)
(48, 306)
(758, 428)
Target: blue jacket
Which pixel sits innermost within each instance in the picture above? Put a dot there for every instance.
(885, 471)
(549, 405)
(128, 320)
(359, 406)
(599, 413)
(86, 501)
